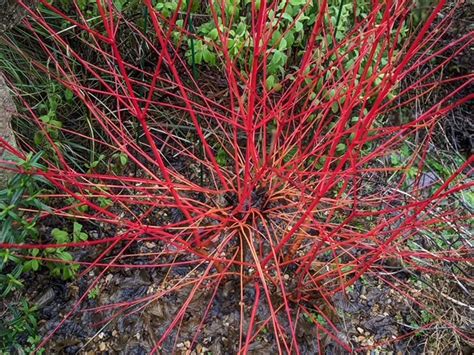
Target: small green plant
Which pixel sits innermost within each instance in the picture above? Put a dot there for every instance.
(18, 226)
(66, 270)
(19, 330)
(94, 293)
(55, 96)
(423, 318)
(118, 162)
(22, 193)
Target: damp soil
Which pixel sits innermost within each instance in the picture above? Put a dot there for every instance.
(370, 312)
(369, 315)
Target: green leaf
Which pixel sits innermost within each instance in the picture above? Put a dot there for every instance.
(59, 235)
(38, 138)
(209, 57)
(286, 16)
(123, 159)
(213, 34)
(32, 265)
(275, 38)
(45, 118)
(68, 94)
(290, 154)
(77, 228)
(119, 5)
(56, 123)
(290, 39)
(298, 26)
(198, 57)
(221, 157)
(297, 2)
(270, 82)
(341, 147)
(65, 256)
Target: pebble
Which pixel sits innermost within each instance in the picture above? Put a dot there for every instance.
(150, 245)
(102, 346)
(46, 298)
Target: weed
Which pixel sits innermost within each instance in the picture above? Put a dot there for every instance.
(94, 293)
(19, 330)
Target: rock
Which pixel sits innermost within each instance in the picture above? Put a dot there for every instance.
(7, 109)
(11, 12)
(46, 298)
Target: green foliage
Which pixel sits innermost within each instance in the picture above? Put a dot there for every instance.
(422, 319)
(316, 318)
(68, 269)
(55, 96)
(18, 227)
(221, 157)
(94, 293)
(19, 330)
(22, 193)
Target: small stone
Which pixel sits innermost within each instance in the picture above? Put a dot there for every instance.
(370, 342)
(114, 333)
(150, 245)
(180, 345)
(286, 277)
(73, 290)
(187, 344)
(102, 346)
(101, 335)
